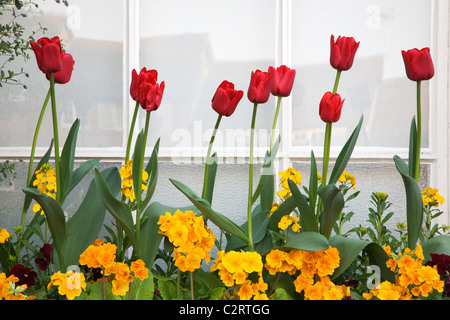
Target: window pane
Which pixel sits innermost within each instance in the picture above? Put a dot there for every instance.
(194, 46)
(376, 86)
(94, 94)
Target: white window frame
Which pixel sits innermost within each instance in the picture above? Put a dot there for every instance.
(436, 155)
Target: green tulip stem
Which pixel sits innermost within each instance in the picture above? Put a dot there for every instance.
(336, 81)
(419, 133)
(208, 156)
(326, 152)
(33, 150)
(130, 134)
(275, 121)
(139, 186)
(55, 137)
(250, 178)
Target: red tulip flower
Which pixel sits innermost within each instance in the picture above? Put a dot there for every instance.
(283, 80)
(418, 64)
(138, 79)
(150, 94)
(65, 74)
(342, 52)
(330, 107)
(226, 99)
(49, 54)
(260, 86)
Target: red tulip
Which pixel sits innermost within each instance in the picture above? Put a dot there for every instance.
(226, 99)
(418, 64)
(342, 52)
(283, 80)
(49, 54)
(260, 86)
(330, 107)
(138, 79)
(65, 74)
(151, 95)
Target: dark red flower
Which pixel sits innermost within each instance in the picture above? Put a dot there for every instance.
(283, 80)
(25, 275)
(49, 54)
(260, 86)
(226, 99)
(442, 261)
(418, 64)
(342, 52)
(44, 258)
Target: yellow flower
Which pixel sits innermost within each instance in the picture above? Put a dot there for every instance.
(46, 183)
(120, 287)
(4, 235)
(432, 197)
(69, 284)
(288, 220)
(289, 173)
(126, 173)
(139, 269)
(347, 177)
(274, 208)
(246, 291)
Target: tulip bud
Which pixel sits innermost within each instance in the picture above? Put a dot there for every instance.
(330, 107)
(418, 64)
(260, 86)
(65, 74)
(283, 80)
(226, 99)
(49, 54)
(342, 52)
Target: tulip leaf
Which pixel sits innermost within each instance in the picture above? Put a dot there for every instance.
(218, 219)
(139, 148)
(119, 210)
(345, 154)
(350, 248)
(84, 226)
(307, 216)
(313, 183)
(82, 171)
(412, 149)
(212, 171)
(438, 245)
(307, 241)
(55, 219)
(286, 207)
(414, 203)
(333, 203)
(152, 170)
(67, 159)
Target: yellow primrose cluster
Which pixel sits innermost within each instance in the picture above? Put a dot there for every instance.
(69, 284)
(234, 268)
(347, 177)
(4, 235)
(321, 263)
(289, 173)
(10, 291)
(432, 197)
(190, 236)
(288, 220)
(102, 255)
(413, 279)
(126, 173)
(46, 183)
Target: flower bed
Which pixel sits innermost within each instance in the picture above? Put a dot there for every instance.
(290, 247)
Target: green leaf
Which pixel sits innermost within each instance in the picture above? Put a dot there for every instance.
(412, 149)
(307, 216)
(152, 170)
(81, 172)
(142, 289)
(67, 159)
(333, 203)
(350, 248)
(218, 219)
(313, 183)
(84, 226)
(139, 148)
(286, 207)
(345, 154)
(414, 204)
(212, 171)
(438, 244)
(307, 241)
(55, 219)
(117, 209)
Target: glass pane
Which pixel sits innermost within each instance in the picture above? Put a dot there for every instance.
(194, 46)
(376, 86)
(94, 93)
